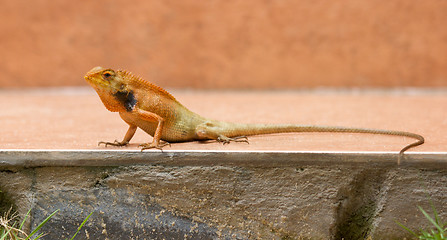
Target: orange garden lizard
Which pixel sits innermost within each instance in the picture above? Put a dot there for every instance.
(142, 104)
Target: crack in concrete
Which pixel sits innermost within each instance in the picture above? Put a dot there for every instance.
(359, 203)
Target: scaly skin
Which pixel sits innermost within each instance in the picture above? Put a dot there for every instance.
(144, 105)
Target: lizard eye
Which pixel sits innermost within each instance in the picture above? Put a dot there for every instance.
(106, 74)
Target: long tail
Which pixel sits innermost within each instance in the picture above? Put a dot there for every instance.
(234, 130)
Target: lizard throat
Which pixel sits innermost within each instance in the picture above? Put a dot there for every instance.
(127, 99)
(119, 101)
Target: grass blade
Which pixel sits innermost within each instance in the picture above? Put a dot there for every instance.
(407, 229)
(6, 234)
(26, 216)
(80, 226)
(41, 225)
(40, 235)
(430, 219)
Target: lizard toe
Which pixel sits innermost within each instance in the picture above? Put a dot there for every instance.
(145, 146)
(116, 143)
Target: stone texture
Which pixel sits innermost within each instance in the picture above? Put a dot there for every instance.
(223, 202)
(406, 189)
(227, 44)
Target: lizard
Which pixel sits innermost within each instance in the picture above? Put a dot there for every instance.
(142, 104)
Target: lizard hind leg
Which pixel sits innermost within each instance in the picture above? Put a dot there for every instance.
(226, 140)
(158, 145)
(210, 130)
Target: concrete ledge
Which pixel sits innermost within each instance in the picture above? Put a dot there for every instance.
(103, 158)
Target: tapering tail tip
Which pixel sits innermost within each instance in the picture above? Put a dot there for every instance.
(420, 141)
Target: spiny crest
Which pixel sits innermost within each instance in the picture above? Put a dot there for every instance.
(143, 82)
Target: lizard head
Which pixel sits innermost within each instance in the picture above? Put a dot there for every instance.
(105, 79)
(112, 88)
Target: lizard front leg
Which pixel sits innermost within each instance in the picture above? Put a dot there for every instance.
(129, 134)
(152, 117)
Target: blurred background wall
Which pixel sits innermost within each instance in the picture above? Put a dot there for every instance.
(227, 43)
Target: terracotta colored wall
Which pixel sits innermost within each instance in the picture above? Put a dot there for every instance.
(227, 43)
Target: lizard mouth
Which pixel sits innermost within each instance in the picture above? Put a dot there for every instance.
(93, 81)
(92, 78)
(98, 84)
(101, 86)
(96, 80)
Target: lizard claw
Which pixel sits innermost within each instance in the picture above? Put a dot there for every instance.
(159, 146)
(226, 140)
(116, 143)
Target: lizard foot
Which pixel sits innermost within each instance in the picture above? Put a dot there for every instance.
(159, 146)
(226, 140)
(116, 143)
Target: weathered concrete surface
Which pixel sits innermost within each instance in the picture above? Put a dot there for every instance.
(227, 43)
(304, 201)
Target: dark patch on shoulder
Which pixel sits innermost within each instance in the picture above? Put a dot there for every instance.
(127, 99)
